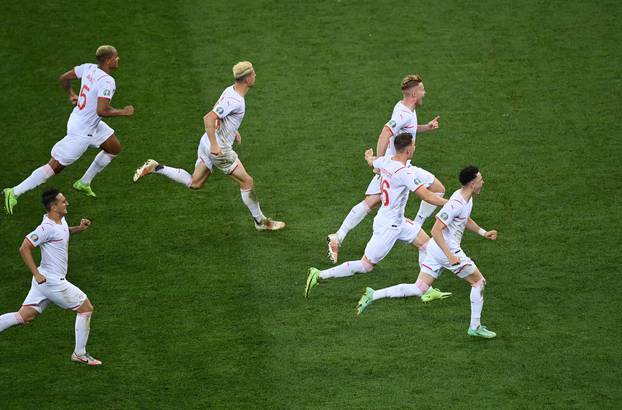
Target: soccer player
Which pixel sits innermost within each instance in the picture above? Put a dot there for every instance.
(444, 251)
(48, 279)
(403, 119)
(85, 127)
(397, 180)
(216, 148)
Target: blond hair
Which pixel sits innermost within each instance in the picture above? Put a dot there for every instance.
(103, 53)
(410, 81)
(242, 69)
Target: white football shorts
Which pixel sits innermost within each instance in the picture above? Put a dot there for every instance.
(226, 162)
(435, 260)
(60, 292)
(385, 236)
(70, 149)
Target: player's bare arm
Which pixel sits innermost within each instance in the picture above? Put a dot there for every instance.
(209, 120)
(65, 82)
(474, 227)
(426, 195)
(430, 126)
(104, 109)
(383, 140)
(25, 252)
(437, 234)
(84, 225)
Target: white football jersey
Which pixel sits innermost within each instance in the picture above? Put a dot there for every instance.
(402, 120)
(230, 110)
(397, 181)
(95, 84)
(454, 215)
(53, 239)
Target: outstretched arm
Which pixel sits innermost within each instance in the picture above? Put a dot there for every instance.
(65, 82)
(84, 225)
(383, 140)
(432, 125)
(426, 195)
(26, 253)
(473, 227)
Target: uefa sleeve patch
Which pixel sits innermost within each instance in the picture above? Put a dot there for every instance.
(219, 110)
(392, 123)
(34, 237)
(444, 216)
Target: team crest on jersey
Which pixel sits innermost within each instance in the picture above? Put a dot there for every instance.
(219, 110)
(34, 237)
(392, 123)
(444, 216)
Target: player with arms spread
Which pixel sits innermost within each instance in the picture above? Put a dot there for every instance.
(403, 119)
(85, 127)
(445, 251)
(216, 148)
(398, 180)
(49, 283)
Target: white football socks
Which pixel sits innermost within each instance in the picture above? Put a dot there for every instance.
(477, 304)
(176, 174)
(102, 159)
(38, 176)
(403, 290)
(426, 209)
(10, 319)
(346, 269)
(83, 328)
(355, 217)
(250, 200)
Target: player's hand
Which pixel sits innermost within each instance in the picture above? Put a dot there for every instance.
(369, 153)
(40, 278)
(129, 110)
(492, 235)
(84, 223)
(454, 260)
(238, 138)
(216, 151)
(73, 99)
(432, 125)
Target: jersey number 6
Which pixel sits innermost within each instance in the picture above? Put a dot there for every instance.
(384, 191)
(82, 97)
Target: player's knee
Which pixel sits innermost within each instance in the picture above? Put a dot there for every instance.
(196, 185)
(26, 317)
(479, 283)
(367, 265)
(248, 183)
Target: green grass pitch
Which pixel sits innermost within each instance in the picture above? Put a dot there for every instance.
(194, 309)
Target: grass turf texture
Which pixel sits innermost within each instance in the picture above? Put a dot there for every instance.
(196, 309)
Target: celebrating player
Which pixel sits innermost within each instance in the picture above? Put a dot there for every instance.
(48, 282)
(85, 127)
(444, 251)
(216, 148)
(397, 180)
(403, 119)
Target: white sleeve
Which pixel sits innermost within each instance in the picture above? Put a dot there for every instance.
(448, 212)
(225, 106)
(411, 181)
(39, 236)
(396, 123)
(79, 70)
(105, 87)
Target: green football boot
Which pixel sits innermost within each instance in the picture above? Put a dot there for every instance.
(365, 301)
(84, 188)
(481, 331)
(433, 294)
(10, 200)
(312, 280)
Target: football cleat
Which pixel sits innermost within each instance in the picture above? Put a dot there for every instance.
(10, 200)
(481, 331)
(84, 188)
(147, 168)
(333, 247)
(365, 300)
(86, 359)
(312, 280)
(268, 224)
(433, 294)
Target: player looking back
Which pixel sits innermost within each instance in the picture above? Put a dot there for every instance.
(445, 251)
(403, 119)
(397, 180)
(85, 127)
(216, 148)
(49, 283)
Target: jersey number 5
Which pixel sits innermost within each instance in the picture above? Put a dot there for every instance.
(82, 97)
(384, 191)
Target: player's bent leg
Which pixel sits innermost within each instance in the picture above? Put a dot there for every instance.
(426, 209)
(476, 329)
(38, 177)
(83, 328)
(110, 148)
(343, 270)
(354, 217)
(23, 316)
(199, 176)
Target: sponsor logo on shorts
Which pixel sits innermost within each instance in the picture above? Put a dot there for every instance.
(34, 237)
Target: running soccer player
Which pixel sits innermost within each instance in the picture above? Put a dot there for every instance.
(216, 148)
(403, 119)
(85, 127)
(444, 251)
(49, 283)
(397, 180)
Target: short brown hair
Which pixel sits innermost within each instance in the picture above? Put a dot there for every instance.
(410, 81)
(103, 53)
